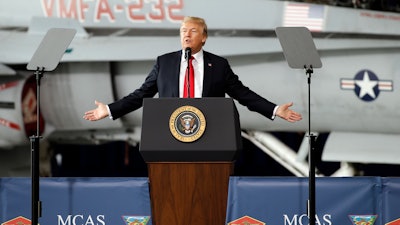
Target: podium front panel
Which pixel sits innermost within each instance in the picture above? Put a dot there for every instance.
(220, 140)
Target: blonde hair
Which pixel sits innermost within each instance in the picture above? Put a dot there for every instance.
(197, 20)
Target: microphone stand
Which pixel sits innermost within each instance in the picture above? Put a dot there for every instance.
(188, 55)
(188, 76)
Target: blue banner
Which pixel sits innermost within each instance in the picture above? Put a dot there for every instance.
(251, 200)
(283, 201)
(391, 201)
(78, 201)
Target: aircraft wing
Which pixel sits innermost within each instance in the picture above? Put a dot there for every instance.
(365, 148)
(6, 71)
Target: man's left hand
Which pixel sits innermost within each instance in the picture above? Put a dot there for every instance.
(286, 113)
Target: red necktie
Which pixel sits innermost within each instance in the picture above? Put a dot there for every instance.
(190, 81)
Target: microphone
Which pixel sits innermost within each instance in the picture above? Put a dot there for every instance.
(188, 53)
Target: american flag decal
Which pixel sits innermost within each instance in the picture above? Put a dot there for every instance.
(304, 15)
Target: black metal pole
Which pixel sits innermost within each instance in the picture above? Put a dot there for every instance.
(312, 137)
(311, 193)
(35, 148)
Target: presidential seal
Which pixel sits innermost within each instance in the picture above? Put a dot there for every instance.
(187, 123)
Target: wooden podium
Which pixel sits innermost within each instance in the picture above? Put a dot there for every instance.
(189, 179)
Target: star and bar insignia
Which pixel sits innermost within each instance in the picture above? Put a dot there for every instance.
(366, 85)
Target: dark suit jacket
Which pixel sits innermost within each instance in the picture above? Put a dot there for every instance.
(218, 80)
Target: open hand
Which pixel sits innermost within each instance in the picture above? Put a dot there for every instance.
(98, 113)
(287, 114)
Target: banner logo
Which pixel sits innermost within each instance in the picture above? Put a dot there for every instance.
(20, 220)
(246, 220)
(363, 219)
(136, 220)
(187, 123)
(394, 222)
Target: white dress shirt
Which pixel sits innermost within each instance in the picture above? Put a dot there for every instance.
(198, 66)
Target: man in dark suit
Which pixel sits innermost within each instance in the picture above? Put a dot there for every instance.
(213, 77)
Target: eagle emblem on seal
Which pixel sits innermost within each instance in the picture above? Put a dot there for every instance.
(187, 123)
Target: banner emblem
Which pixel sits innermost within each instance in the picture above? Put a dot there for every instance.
(187, 123)
(363, 219)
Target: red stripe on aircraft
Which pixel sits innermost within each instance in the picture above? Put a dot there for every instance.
(8, 85)
(9, 124)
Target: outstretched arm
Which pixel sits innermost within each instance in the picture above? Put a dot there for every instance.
(98, 113)
(285, 113)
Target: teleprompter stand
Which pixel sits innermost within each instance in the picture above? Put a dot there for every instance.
(300, 53)
(46, 58)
